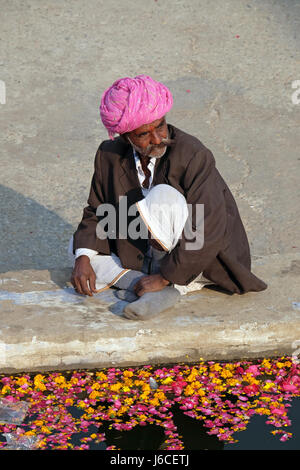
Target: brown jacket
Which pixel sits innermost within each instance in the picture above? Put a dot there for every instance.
(189, 167)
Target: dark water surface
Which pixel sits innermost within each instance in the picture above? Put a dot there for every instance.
(257, 435)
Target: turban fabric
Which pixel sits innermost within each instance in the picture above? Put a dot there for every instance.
(133, 102)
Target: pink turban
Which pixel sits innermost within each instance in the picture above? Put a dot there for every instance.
(133, 102)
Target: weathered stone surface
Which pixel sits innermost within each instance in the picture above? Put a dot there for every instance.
(45, 324)
(230, 66)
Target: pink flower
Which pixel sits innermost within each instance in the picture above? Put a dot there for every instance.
(292, 384)
(277, 411)
(287, 387)
(6, 380)
(253, 370)
(169, 425)
(117, 404)
(177, 390)
(10, 398)
(250, 389)
(163, 408)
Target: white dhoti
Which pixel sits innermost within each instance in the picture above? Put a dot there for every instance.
(108, 268)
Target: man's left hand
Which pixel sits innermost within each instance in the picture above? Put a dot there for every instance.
(151, 283)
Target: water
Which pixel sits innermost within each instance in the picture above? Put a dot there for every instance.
(257, 435)
(88, 409)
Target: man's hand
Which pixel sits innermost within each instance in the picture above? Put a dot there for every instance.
(152, 283)
(83, 274)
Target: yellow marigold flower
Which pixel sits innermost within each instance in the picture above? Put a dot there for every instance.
(94, 394)
(5, 389)
(201, 393)
(81, 404)
(45, 430)
(128, 401)
(188, 390)
(167, 381)
(39, 378)
(268, 385)
(216, 381)
(232, 382)
(265, 363)
(138, 382)
(128, 381)
(226, 374)
(39, 422)
(21, 381)
(216, 367)
(115, 387)
(154, 402)
(126, 389)
(160, 395)
(60, 380)
(263, 411)
(93, 436)
(144, 395)
(69, 401)
(146, 387)
(29, 433)
(40, 386)
(192, 375)
(196, 385)
(96, 386)
(142, 417)
(128, 373)
(145, 373)
(122, 410)
(101, 376)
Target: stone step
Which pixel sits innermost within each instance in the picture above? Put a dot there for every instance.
(46, 325)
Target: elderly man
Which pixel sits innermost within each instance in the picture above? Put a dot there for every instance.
(149, 152)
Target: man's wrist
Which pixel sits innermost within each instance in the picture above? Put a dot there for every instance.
(82, 257)
(165, 281)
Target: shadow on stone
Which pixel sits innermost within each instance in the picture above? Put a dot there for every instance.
(32, 236)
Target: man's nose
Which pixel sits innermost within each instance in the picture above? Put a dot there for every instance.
(155, 138)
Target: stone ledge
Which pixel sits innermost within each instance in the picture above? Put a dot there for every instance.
(46, 325)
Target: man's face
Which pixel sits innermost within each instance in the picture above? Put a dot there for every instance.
(150, 140)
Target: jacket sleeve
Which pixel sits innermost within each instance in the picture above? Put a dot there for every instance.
(201, 186)
(85, 235)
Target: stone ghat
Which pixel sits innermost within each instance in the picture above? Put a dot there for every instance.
(46, 325)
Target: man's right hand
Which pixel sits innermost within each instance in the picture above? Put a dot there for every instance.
(83, 276)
